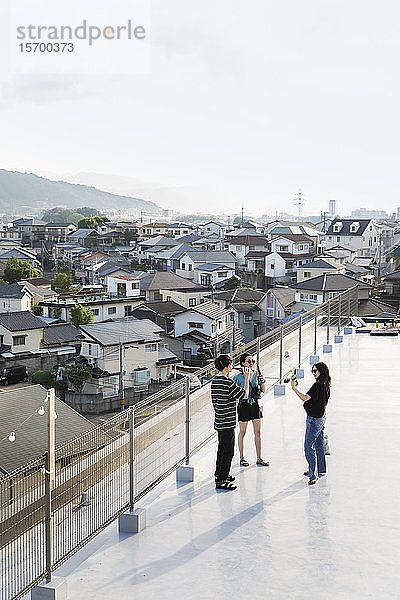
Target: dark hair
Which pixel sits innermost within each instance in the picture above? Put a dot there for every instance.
(243, 357)
(222, 361)
(324, 374)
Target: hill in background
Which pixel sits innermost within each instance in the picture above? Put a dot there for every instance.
(25, 190)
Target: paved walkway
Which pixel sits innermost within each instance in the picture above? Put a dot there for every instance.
(275, 537)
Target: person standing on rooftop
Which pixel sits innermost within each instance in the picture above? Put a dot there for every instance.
(225, 394)
(249, 409)
(314, 402)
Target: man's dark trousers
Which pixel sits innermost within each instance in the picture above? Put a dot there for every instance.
(226, 450)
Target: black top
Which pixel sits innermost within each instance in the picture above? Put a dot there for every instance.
(315, 406)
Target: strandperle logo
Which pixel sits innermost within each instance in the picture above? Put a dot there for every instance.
(84, 31)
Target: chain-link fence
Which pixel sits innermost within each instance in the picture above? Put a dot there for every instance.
(105, 470)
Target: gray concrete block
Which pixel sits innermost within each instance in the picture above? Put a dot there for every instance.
(185, 473)
(314, 359)
(133, 521)
(279, 390)
(327, 348)
(299, 373)
(338, 339)
(56, 589)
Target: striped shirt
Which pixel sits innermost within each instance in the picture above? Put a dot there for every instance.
(224, 396)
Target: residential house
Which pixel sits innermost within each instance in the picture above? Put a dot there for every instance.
(247, 319)
(276, 304)
(21, 331)
(86, 238)
(163, 285)
(105, 241)
(318, 267)
(58, 232)
(148, 248)
(39, 293)
(30, 228)
(240, 246)
(14, 298)
(214, 228)
(212, 275)
(141, 345)
(284, 228)
(204, 328)
(21, 254)
(192, 259)
(162, 313)
(360, 235)
(177, 230)
(320, 289)
(123, 286)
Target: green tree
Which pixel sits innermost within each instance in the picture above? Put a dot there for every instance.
(88, 211)
(63, 215)
(232, 283)
(62, 282)
(79, 315)
(63, 267)
(77, 375)
(37, 310)
(57, 312)
(92, 222)
(45, 378)
(16, 269)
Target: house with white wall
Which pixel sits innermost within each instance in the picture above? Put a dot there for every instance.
(15, 297)
(190, 260)
(144, 356)
(212, 275)
(360, 235)
(122, 286)
(318, 267)
(320, 289)
(240, 246)
(207, 327)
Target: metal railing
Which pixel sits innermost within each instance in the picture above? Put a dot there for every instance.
(106, 470)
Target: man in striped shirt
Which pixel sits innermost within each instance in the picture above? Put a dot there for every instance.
(225, 394)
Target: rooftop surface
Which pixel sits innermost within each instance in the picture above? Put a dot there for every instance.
(275, 537)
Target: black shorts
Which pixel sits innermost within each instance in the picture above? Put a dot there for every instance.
(249, 412)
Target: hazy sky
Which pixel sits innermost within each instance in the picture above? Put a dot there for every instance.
(251, 99)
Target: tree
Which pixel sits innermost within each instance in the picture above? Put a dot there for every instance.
(62, 282)
(45, 378)
(77, 375)
(92, 222)
(232, 283)
(88, 211)
(79, 315)
(63, 267)
(37, 310)
(63, 215)
(16, 269)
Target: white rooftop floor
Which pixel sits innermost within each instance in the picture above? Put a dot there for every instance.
(275, 537)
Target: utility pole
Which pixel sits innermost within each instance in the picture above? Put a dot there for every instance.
(121, 378)
(242, 218)
(299, 201)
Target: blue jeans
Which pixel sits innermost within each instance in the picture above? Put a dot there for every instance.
(314, 446)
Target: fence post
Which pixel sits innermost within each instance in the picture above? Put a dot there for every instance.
(131, 458)
(185, 473)
(187, 419)
(280, 353)
(315, 329)
(300, 326)
(258, 351)
(328, 322)
(50, 466)
(339, 310)
(349, 307)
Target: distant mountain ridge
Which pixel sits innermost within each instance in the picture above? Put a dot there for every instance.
(19, 190)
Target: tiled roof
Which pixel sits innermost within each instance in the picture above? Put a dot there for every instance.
(29, 439)
(285, 296)
(165, 280)
(294, 237)
(61, 333)
(211, 267)
(168, 307)
(21, 320)
(345, 230)
(245, 307)
(330, 282)
(249, 240)
(125, 330)
(83, 233)
(12, 290)
(211, 310)
(221, 256)
(319, 264)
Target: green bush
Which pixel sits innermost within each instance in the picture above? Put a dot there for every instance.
(45, 378)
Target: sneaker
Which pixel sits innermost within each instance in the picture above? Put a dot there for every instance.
(312, 481)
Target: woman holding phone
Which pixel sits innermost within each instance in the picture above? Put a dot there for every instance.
(314, 402)
(249, 409)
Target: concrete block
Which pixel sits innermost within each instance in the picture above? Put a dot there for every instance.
(279, 390)
(338, 339)
(347, 330)
(299, 373)
(314, 359)
(185, 473)
(133, 521)
(56, 589)
(327, 348)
